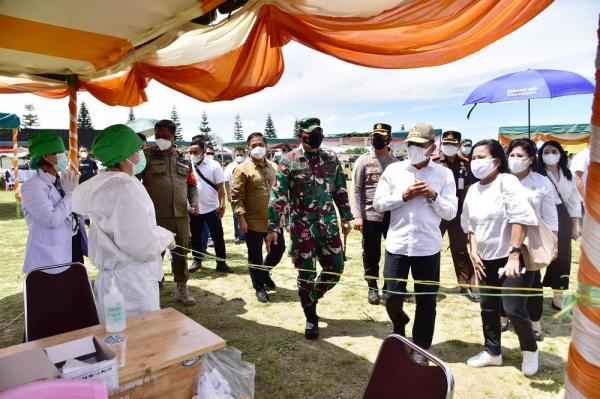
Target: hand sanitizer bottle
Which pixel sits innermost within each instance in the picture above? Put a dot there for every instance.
(114, 309)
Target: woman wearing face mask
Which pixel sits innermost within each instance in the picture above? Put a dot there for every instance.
(541, 195)
(553, 161)
(46, 202)
(125, 242)
(496, 214)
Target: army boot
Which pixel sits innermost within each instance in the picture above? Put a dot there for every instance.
(183, 294)
(311, 331)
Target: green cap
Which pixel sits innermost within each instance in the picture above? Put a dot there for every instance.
(115, 144)
(420, 133)
(44, 143)
(309, 124)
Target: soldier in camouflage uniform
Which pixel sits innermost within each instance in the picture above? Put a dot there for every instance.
(311, 180)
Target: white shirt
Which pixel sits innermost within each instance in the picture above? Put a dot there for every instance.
(581, 163)
(487, 213)
(568, 193)
(208, 198)
(414, 225)
(229, 171)
(542, 197)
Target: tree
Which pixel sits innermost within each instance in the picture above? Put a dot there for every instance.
(84, 120)
(175, 119)
(131, 116)
(238, 131)
(270, 131)
(29, 119)
(205, 130)
(296, 127)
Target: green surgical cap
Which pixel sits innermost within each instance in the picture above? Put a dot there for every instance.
(115, 144)
(41, 144)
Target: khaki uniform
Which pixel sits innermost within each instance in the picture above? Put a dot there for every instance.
(171, 184)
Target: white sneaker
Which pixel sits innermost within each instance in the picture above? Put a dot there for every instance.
(530, 363)
(484, 359)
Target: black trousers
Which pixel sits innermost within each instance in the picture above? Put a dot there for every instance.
(514, 303)
(254, 243)
(216, 232)
(371, 245)
(421, 268)
(463, 267)
(557, 273)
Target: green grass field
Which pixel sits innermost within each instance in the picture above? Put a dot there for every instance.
(338, 365)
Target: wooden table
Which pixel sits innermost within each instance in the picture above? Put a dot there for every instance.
(159, 345)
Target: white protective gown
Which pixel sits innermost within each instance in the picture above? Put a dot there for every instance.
(48, 217)
(124, 241)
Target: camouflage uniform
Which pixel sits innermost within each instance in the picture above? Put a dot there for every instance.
(310, 182)
(171, 184)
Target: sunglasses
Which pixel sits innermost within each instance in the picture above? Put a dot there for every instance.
(210, 153)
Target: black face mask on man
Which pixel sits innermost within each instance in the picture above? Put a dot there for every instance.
(378, 142)
(314, 140)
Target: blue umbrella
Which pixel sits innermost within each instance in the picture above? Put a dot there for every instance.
(529, 84)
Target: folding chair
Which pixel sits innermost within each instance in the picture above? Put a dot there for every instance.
(57, 302)
(395, 375)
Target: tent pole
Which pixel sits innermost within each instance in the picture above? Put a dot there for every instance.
(529, 118)
(73, 153)
(15, 141)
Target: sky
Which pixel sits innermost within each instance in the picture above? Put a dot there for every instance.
(351, 98)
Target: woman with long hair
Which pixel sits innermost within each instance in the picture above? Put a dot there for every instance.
(495, 215)
(554, 164)
(522, 162)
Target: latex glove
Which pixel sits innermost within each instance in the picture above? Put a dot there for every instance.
(172, 245)
(68, 181)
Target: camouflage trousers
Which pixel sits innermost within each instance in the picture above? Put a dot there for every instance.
(321, 241)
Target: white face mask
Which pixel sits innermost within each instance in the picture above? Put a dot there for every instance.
(551, 159)
(417, 154)
(239, 158)
(466, 150)
(163, 144)
(258, 152)
(449, 149)
(195, 158)
(211, 157)
(482, 168)
(518, 165)
(83, 154)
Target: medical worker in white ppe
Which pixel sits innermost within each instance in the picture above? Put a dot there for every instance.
(125, 242)
(46, 200)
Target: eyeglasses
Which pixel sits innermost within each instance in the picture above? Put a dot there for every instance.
(210, 153)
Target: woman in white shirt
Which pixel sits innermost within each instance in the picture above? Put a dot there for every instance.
(553, 160)
(496, 214)
(522, 162)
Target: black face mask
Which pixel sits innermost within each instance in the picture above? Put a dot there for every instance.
(378, 142)
(314, 140)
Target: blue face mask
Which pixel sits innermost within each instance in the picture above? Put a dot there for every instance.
(137, 168)
(62, 162)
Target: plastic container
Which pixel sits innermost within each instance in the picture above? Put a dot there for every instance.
(114, 309)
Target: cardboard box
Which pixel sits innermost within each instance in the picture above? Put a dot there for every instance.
(24, 367)
(102, 360)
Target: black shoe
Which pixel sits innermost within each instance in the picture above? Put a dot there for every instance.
(311, 331)
(554, 306)
(224, 268)
(539, 335)
(373, 296)
(262, 296)
(270, 284)
(469, 294)
(419, 359)
(196, 265)
(408, 298)
(161, 282)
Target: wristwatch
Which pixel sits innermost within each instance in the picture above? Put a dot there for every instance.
(514, 250)
(432, 199)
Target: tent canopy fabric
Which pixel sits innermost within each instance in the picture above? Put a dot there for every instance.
(112, 48)
(9, 121)
(572, 137)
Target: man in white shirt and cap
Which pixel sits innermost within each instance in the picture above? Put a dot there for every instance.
(419, 193)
